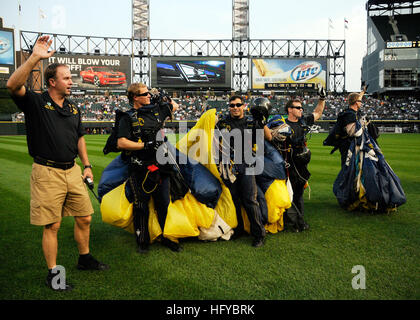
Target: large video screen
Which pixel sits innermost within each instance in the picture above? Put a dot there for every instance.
(189, 72)
(288, 73)
(7, 52)
(93, 73)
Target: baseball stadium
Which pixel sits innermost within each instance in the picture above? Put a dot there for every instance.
(361, 236)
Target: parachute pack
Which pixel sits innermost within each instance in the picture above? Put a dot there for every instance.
(336, 137)
(112, 141)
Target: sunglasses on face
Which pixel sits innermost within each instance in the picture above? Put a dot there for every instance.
(299, 108)
(145, 94)
(233, 105)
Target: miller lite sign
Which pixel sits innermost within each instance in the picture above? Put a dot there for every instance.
(306, 71)
(270, 73)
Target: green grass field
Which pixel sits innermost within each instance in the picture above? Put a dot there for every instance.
(315, 264)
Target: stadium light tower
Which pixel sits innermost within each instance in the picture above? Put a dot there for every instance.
(240, 38)
(240, 20)
(141, 19)
(141, 35)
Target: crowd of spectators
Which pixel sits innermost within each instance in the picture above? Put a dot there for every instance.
(377, 109)
(102, 108)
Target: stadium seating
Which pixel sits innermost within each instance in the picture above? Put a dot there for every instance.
(101, 108)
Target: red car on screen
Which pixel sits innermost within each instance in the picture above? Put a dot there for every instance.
(102, 76)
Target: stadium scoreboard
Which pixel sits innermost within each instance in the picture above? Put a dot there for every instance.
(402, 44)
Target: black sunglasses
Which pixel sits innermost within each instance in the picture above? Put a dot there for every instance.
(299, 108)
(143, 94)
(233, 105)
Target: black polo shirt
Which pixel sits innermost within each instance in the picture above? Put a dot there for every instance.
(297, 139)
(229, 123)
(52, 132)
(150, 120)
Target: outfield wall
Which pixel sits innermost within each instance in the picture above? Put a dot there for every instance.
(11, 128)
(398, 126)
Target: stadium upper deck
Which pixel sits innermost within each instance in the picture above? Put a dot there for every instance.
(391, 65)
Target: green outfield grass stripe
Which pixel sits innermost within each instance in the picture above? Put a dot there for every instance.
(13, 137)
(15, 146)
(19, 157)
(14, 143)
(95, 151)
(99, 145)
(18, 139)
(14, 208)
(15, 172)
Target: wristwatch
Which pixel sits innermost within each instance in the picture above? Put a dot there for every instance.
(89, 166)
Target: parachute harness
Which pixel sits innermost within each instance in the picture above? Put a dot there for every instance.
(288, 150)
(151, 168)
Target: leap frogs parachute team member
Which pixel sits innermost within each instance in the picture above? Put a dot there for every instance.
(55, 138)
(137, 133)
(296, 153)
(365, 182)
(345, 128)
(243, 186)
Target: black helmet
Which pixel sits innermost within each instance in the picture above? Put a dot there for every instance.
(261, 107)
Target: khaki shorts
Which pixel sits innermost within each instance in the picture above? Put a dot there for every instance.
(57, 193)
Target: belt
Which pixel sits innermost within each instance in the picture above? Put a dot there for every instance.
(54, 164)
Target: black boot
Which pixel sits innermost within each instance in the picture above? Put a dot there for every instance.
(142, 247)
(175, 247)
(258, 242)
(303, 226)
(237, 233)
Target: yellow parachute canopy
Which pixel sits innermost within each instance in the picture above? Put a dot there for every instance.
(187, 215)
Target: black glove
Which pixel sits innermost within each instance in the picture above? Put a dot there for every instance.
(262, 122)
(321, 92)
(259, 118)
(365, 87)
(152, 145)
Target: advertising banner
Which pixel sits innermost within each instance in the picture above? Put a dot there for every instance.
(7, 52)
(288, 73)
(206, 72)
(91, 72)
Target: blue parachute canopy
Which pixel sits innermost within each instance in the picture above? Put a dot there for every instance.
(113, 175)
(366, 181)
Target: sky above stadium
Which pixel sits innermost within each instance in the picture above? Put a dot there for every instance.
(200, 19)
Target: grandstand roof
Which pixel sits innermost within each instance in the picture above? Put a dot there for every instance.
(388, 2)
(387, 7)
(407, 24)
